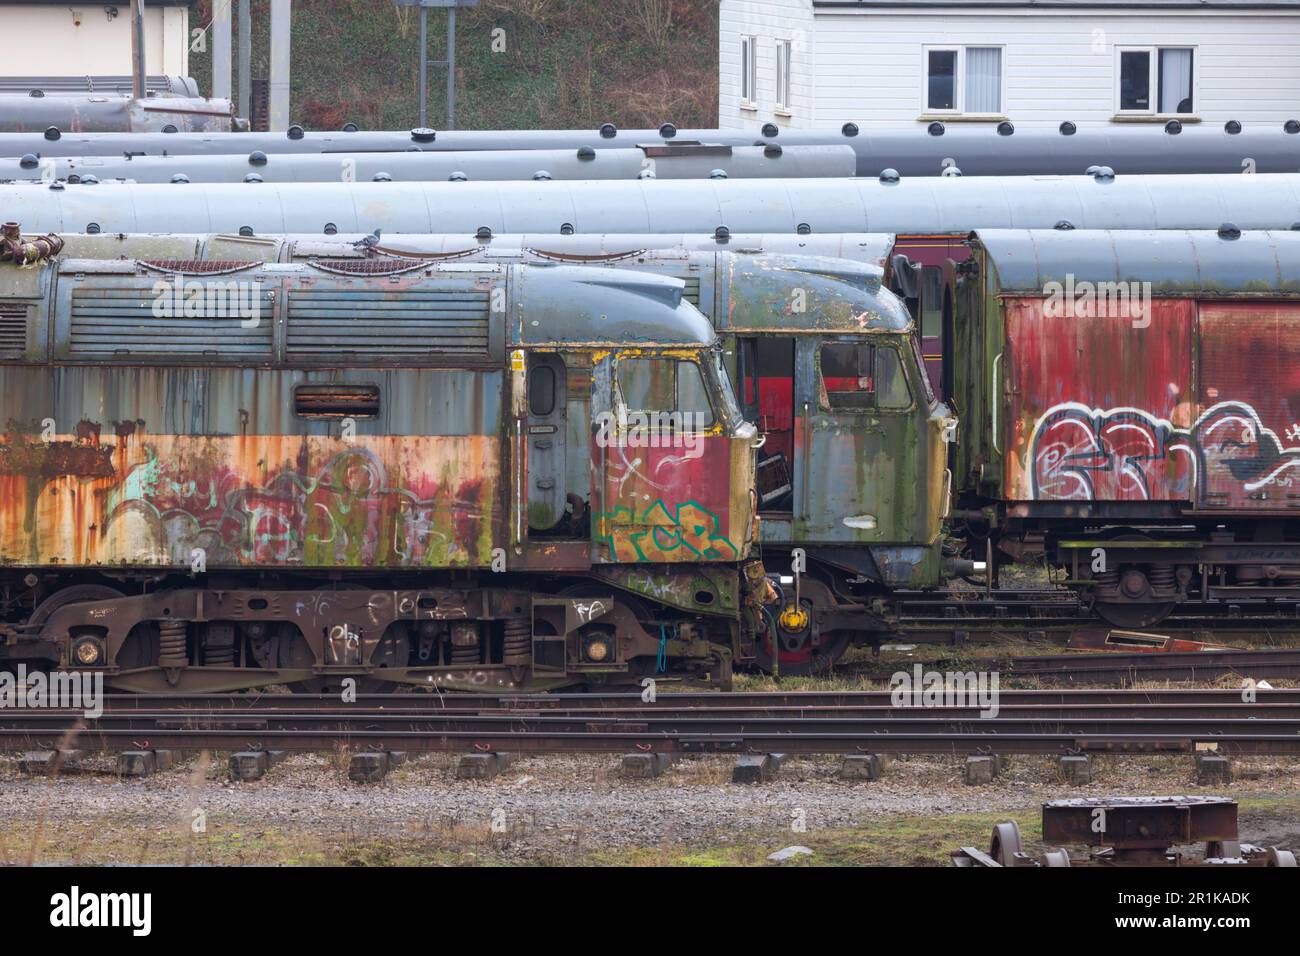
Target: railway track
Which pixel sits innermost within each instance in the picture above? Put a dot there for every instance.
(865, 722)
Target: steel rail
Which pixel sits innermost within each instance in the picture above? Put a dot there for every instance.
(646, 741)
(755, 700)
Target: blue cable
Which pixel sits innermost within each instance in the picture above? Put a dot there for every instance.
(661, 661)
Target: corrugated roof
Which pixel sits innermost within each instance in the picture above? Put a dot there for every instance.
(1173, 261)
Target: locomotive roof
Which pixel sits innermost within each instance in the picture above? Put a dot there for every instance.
(551, 305)
(828, 295)
(581, 305)
(1173, 261)
(912, 205)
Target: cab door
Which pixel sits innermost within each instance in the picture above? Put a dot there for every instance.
(853, 482)
(545, 427)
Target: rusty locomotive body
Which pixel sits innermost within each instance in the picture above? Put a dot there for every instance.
(233, 474)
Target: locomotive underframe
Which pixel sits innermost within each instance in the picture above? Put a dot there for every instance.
(512, 633)
(1135, 570)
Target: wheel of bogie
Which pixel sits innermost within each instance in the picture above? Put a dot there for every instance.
(1057, 857)
(76, 594)
(1133, 615)
(1278, 857)
(1005, 843)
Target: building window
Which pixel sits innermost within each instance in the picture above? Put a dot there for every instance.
(963, 80)
(783, 75)
(748, 70)
(1156, 80)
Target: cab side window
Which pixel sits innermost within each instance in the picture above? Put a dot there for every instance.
(664, 385)
(858, 376)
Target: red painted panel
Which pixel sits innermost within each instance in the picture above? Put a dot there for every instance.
(1093, 406)
(1248, 433)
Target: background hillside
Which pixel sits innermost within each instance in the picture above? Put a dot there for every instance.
(567, 63)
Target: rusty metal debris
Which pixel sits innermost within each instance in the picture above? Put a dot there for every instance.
(14, 248)
(1128, 831)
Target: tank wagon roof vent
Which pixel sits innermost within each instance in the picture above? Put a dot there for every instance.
(1005, 129)
(889, 175)
(422, 134)
(1068, 129)
(849, 129)
(608, 130)
(1229, 231)
(935, 129)
(667, 130)
(294, 132)
(771, 130)
(1173, 127)
(1232, 127)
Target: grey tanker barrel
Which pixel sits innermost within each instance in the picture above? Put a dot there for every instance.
(974, 149)
(103, 85)
(741, 162)
(44, 119)
(915, 205)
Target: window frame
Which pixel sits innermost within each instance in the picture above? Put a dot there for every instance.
(1153, 79)
(748, 93)
(875, 408)
(959, 79)
(708, 385)
(784, 64)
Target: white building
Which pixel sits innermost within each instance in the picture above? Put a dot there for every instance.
(62, 38)
(804, 63)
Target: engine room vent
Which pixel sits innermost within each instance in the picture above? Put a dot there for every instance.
(393, 325)
(120, 323)
(13, 330)
(692, 291)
